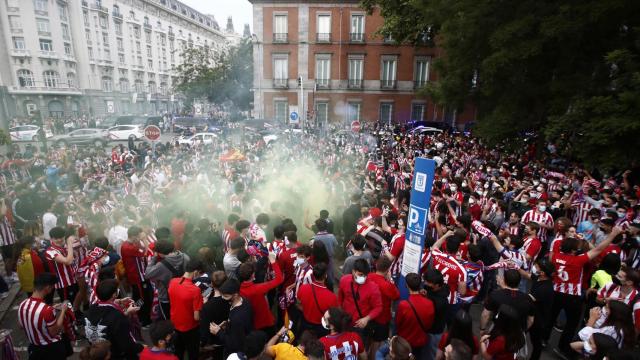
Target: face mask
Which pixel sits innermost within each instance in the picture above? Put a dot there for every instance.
(524, 201)
(536, 182)
(534, 271)
(444, 181)
(454, 188)
(542, 208)
(472, 201)
(324, 323)
(533, 194)
(298, 262)
(105, 260)
(622, 215)
(486, 185)
(360, 279)
(587, 348)
(539, 188)
(464, 184)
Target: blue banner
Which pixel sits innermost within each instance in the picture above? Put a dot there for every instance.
(417, 220)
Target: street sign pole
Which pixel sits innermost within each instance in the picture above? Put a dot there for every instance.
(417, 220)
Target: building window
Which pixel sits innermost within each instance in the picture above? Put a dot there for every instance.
(357, 28)
(107, 84)
(136, 32)
(417, 112)
(139, 86)
(322, 113)
(62, 10)
(280, 71)
(25, 78)
(43, 26)
(388, 76)
(280, 28)
(324, 28)
(281, 112)
(355, 72)
(14, 22)
(18, 43)
(90, 53)
(148, 51)
(87, 34)
(323, 71)
(152, 87)
(118, 27)
(353, 111)
(150, 64)
(51, 79)
(67, 49)
(103, 22)
(386, 113)
(40, 5)
(421, 75)
(120, 44)
(124, 85)
(85, 15)
(45, 45)
(65, 31)
(71, 80)
(105, 39)
(121, 59)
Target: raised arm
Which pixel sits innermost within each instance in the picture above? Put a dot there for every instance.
(603, 245)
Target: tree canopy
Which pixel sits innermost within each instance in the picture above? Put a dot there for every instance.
(220, 76)
(568, 70)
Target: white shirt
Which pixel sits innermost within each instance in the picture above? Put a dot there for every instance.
(49, 221)
(116, 236)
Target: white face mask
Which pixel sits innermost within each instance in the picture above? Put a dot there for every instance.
(542, 208)
(360, 279)
(534, 270)
(587, 347)
(472, 201)
(454, 188)
(298, 262)
(105, 260)
(539, 188)
(325, 324)
(536, 182)
(464, 184)
(486, 185)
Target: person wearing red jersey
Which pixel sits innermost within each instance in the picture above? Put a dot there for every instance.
(229, 231)
(567, 284)
(162, 334)
(286, 260)
(542, 217)
(341, 344)
(134, 258)
(359, 296)
(186, 302)
(563, 225)
(414, 317)
(531, 245)
(41, 324)
(506, 337)
(61, 260)
(397, 248)
(453, 272)
(628, 291)
(389, 293)
(256, 294)
(315, 299)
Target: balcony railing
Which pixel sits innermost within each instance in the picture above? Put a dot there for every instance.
(356, 37)
(147, 26)
(355, 83)
(280, 83)
(44, 33)
(323, 83)
(48, 54)
(280, 37)
(323, 37)
(58, 88)
(20, 52)
(16, 31)
(171, 33)
(388, 84)
(117, 15)
(99, 7)
(419, 84)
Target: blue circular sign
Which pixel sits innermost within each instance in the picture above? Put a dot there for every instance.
(294, 116)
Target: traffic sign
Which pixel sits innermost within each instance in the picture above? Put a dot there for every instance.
(294, 116)
(152, 132)
(355, 126)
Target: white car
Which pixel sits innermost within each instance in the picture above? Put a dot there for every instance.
(199, 138)
(126, 132)
(27, 133)
(425, 130)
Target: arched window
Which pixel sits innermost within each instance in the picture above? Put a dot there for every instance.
(51, 79)
(107, 84)
(163, 88)
(124, 85)
(139, 86)
(56, 109)
(71, 80)
(152, 87)
(25, 78)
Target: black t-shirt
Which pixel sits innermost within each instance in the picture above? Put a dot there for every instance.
(542, 291)
(520, 301)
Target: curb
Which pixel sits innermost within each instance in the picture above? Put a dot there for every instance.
(7, 303)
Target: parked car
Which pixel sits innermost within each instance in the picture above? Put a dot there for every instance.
(89, 136)
(27, 133)
(126, 132)
(425, 130)
(199, 138)
(144, 121)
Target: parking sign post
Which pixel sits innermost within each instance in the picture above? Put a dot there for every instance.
(417, 220)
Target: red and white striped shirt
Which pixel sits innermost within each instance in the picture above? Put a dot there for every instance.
(303, 275)
(542, 219)
(581, 211)
(614, 291)
(35, 317)
(7, 235)
(396, 249)
(64, 273)
(452, 272)
(567, 278)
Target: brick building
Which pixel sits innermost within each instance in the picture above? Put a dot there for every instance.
(348, 71)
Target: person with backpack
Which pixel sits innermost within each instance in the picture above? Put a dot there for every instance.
(167, 264)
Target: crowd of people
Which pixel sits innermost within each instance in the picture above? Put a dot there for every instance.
(171, 251)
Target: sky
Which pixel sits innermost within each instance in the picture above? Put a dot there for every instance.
(240, 10)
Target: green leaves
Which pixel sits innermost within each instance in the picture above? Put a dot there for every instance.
(221, 76)
(566, 69)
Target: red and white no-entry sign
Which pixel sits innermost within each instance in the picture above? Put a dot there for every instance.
(355, 126)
